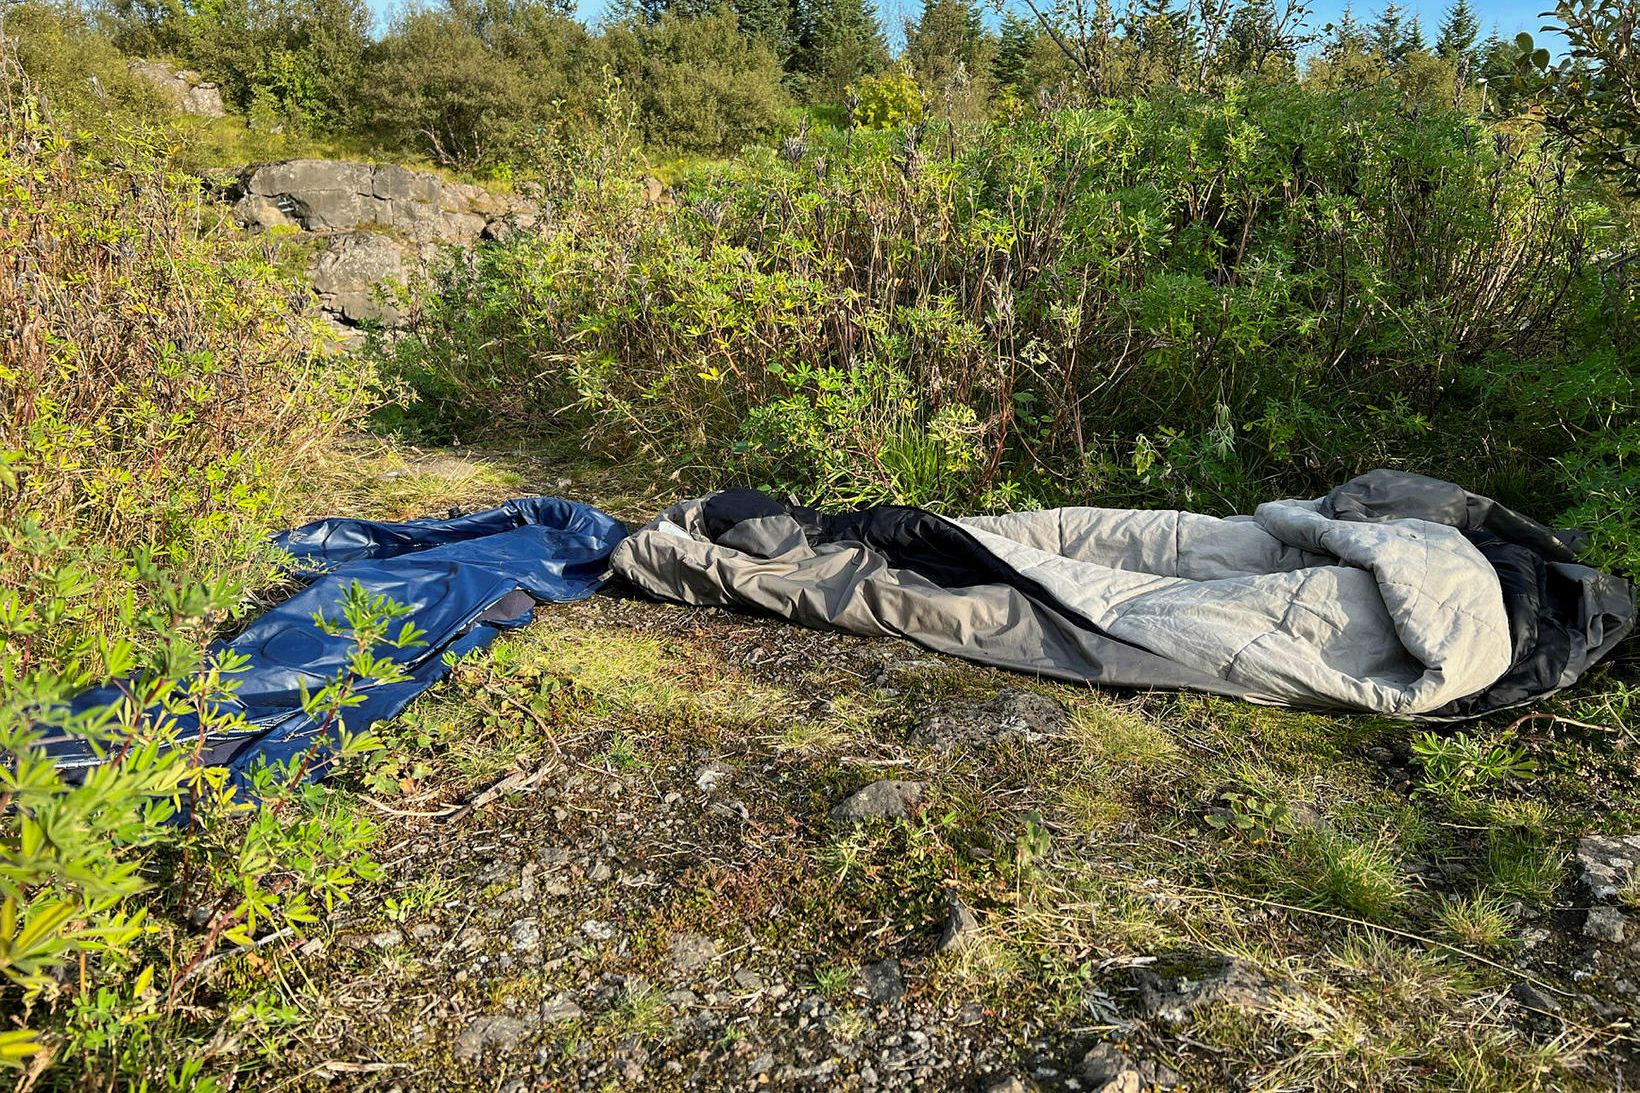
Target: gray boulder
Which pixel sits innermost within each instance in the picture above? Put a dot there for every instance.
(346, 275)
(334, 195)
(188, 91)
(1178, 984)
(1609, 863)
(888, 798)
(382, 222)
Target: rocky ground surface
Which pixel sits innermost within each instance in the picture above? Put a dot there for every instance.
(637, 846)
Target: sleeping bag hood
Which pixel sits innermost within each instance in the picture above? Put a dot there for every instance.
(1395, 593)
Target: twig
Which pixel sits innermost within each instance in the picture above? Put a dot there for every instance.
(1557, 719)
(200, 967)
(373, 803)
(1409, 935)
(518, 779)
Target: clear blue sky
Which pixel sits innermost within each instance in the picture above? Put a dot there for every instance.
(1509, 16)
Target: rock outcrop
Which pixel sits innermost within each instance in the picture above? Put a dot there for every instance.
(321, 195)
(190, 92)
(378, 224)
(348, 271)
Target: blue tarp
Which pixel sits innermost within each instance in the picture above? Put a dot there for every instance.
(465, 578)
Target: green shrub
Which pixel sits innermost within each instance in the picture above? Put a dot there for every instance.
(699, 84)
(78, 73)
(1586, 96)
(1178, 299)
(154, 375)
(476, 86)
(303, 62)
(438, 88)
(886, 100)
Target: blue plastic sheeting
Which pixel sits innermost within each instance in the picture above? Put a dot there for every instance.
(465, 578)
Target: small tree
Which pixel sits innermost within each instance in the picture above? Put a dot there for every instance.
(947, 45)
(308, 58)
(839, 41)
(1389, 33)
(886, 100)
(1459, 31)
(700, 85)
(436, 86)
(1590, 98)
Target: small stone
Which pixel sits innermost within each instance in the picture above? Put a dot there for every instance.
(526, 883)
(713, 774)
(748, 979)
(884, 983)
(560, 1007)
(597, 931)
(732, 809)
(426, 931)
(1609, 863)
(387, 939)
(691, 952)
(961, 928)
(887, 798)
(1306, 817)
(1605, 924)
(1008, 1084)
(1159, 1074)
(629, 1062)
(763, 1064)
(489, 1033)
(526, 935)
(1177, 984)
(1529, 996)
(1102, 1063)
(1011, 714)
(1126, 1081)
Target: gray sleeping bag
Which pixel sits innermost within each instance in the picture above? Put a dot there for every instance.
(1395, 593)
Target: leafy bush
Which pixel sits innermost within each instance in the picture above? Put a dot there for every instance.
(1587, 96)
(699, 84)
(886, 100)
(76, 71)
(439, 88)
(475, 86)
(154, 369)
(1175, 299)
(301, 61)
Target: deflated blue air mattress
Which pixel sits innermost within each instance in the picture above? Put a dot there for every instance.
(465, 578)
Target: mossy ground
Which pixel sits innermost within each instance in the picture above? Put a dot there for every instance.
(1393, 918)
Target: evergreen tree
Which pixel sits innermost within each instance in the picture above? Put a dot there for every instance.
(838, 41)
(1014, 48)
(1349, 39)
(771, 22)
(1413, 40)
(1495, 64)
(1460, 28)
(1389, 33)
(948, 36)
(1254, 38)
